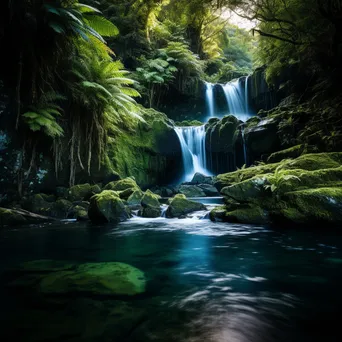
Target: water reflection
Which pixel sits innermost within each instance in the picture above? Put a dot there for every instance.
(206, 282)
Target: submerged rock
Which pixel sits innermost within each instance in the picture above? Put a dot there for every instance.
(180, 206)
(106, 278)
(107, 207)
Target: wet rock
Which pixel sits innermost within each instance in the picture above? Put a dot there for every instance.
(198, 178)
(191, 191)
(218, 214)
(82, 192)
(107, 207)
(14, 217)
(180, 205)
(209, 190)
(135, 198)
(106, 278)
(151, 205)
(121, 185)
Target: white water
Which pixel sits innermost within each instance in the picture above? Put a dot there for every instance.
(237, 99)
(209, 95)
(192, 140)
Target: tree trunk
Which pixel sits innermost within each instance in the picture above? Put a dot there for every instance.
(18, 89)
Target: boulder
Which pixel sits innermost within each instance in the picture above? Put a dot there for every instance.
(317, 205)
(151, 206)
(180, 206)
(105, 278)
(249, 215)
(107, 207)
(121, 185)
(14, 217)
(209, 190)
(198, 178)
(82, 192)
(135, 198)
(191, 191)
(218, 214)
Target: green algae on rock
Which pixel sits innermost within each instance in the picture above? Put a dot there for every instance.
(106, 278)
(107, 207)
(150, 204)
(180, 206)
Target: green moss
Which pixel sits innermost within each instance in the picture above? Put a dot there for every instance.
(180, 206)
(188, 123)
(135, 198)
(107, 207)
(252, 215)
(107, 278)
(322, 204)
(150, 200)
(218, 214)
(82, 191)
(121, 185)
(10, 217)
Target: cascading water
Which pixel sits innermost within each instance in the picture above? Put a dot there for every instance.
(237, 99)
(192, 141)
(247, 94)
(209, 95)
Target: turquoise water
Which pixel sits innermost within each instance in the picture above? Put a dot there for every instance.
(206, 282)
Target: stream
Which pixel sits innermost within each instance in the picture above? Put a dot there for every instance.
(206, 282)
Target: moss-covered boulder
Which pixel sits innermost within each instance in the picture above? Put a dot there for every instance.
(317, 205)
(60, 209)
(249, 215)
(15, 217)
(291, 153)
(151, 206)
(209, 190)
(125, 187)
(135, 198)
(82, 192)
(191, 191)
(107, 207)
(180, 206)
(106, 278)
(218, 214)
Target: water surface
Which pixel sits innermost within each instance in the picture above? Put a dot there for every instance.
(206, 282)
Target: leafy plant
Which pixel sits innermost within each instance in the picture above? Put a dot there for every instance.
(278, 178)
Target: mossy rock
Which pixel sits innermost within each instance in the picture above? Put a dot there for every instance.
(218, 214)
(105, 278)
(191, 191)
(10, 217)
(15, 217)
(122, 185)
(135, 198)
(199, 178)
(251, 215)
(79, 213)
(48, 198)
(37, 204)
(189, 123)
(291, 153)
(107, 207)
(82, 191)
(151, 206)
(180, 206)
(150, 200)
(60, 209)
(318, 205)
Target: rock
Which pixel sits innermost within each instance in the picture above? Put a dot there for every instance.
(218, 214)
(209, 190)
(107, 207)
(198, 178)
(82, 192)
(123, 185)
(191, 191)
(60, 209)
(79, 213)
(135, 198)
(48, 198)
(151, 205)
(105, 278)
(180, 205)
(247, 191)
(14, 217)
(316, 205)
(292, 152)
(36, 204)
(253, 215)
(44, 266)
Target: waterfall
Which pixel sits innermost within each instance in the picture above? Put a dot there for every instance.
(209, 95)
(247, 94)
(192, 140)
(237, 99)
(244, 144)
